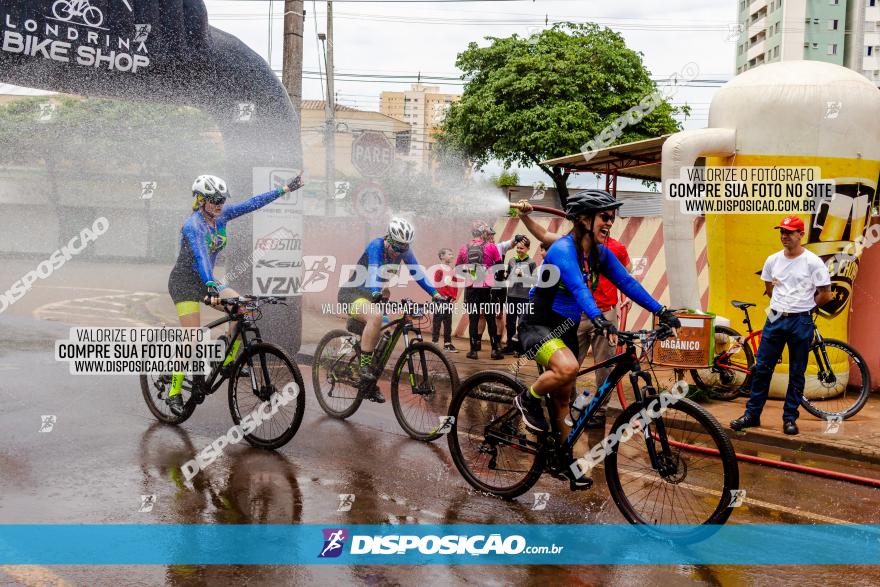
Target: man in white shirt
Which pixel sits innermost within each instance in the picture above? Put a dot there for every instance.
(797, 281)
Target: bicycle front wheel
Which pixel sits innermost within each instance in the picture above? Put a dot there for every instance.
(839, 385)
(731, 378)
(422, 386)
(693, 477)
(270, 399)
(335, 373)
(488, 442)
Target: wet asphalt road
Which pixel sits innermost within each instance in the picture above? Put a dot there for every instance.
(106, 451)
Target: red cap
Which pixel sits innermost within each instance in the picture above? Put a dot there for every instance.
(791, 223)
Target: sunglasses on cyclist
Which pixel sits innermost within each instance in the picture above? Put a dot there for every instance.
(606, 217)
(215, 198)
(398, 247)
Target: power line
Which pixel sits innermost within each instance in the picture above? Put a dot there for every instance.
(318, 46)
(697, 26)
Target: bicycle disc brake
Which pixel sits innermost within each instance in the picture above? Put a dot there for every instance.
(673, 469)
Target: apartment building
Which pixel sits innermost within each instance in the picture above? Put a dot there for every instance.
(423, 108)
(845, 32)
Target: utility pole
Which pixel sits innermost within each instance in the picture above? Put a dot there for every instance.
(291, 75)
(330, 115)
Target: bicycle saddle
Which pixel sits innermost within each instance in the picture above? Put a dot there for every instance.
(741, 305)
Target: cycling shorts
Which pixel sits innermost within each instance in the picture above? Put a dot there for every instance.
(541, 340)
(187, 291)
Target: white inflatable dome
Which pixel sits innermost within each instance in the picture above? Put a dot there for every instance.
(807, 108)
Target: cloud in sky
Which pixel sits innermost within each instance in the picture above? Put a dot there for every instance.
(408, 38)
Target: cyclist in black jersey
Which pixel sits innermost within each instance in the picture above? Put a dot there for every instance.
(202, 238)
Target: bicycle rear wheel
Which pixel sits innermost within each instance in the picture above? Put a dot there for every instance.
(725, 382)
(488, 442)
(335, 373)
(842, 383)
(155, 388)
(273, 395)
(421, 396)
(701, 471)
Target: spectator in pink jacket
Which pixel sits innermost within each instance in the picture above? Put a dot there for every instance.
(478, 256)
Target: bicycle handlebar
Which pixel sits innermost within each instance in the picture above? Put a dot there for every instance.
(661, 333)
(232, 304)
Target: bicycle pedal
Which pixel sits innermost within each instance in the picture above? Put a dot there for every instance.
(581, 485)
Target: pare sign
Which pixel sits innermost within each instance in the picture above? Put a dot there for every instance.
(372, 154)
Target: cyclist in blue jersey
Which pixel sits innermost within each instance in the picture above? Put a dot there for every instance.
(362, 294)
(550, 332)
(202, 238)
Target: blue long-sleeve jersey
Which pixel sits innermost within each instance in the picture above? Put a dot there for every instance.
(570, 296)
(200, 244)
(374, 259)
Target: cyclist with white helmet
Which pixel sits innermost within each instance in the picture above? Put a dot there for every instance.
(202, 238)
(362, 294)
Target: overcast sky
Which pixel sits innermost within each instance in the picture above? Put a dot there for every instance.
(386, 39)
(394, 41)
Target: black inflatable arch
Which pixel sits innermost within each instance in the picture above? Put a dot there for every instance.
(163, 51)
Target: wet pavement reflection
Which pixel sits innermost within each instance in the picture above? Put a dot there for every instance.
(105, 453)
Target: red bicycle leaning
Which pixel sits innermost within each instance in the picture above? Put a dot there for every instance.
(838, 379)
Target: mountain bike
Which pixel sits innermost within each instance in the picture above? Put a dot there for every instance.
(835, 370)
(677, 467)
(423, 380)
(260, 371)
(66, 9)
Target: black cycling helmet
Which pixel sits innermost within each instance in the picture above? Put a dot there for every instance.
(588, 202)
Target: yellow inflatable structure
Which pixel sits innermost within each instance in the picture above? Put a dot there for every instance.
(788, 114)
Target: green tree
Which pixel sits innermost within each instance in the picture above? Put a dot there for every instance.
(530, 99)
(507, 179)
(92, 146)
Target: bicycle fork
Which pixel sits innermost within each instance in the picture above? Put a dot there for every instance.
(420, 387)
(826, 373)
(664, 462)
(263, 394)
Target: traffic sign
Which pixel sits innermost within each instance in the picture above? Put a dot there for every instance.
(369, 200)
(372, 154)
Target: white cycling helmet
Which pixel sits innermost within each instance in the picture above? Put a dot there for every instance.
(211, 188)
(401, 231)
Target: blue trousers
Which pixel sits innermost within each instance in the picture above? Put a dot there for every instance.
(797, 332)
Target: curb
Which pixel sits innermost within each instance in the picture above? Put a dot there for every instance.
(861, 454)
(854, 453)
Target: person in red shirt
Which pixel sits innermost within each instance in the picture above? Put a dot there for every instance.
(445, 281)
(606, 298)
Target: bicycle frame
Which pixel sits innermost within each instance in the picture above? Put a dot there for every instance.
(721, 360)
(622, 363)
(77, 7)
(401, 327)
(242, 327)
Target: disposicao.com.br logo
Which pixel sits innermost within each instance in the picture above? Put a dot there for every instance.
(334, 541)
(402, 544)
